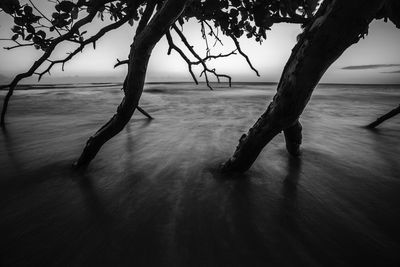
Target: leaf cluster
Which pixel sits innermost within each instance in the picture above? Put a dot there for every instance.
(251, 17)
(35, 28)
(24, 19)
(236, 18)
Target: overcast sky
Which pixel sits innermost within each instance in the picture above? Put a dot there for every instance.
(375, 59)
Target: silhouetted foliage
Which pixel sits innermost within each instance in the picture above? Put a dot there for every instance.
(233, 17)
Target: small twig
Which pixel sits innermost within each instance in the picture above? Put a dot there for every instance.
(217, 39)
(144, 113)
(121, 62)
(17, 46)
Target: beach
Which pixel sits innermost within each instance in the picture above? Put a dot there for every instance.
(154, 195)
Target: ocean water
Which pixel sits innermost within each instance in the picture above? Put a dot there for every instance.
(62, 117)
(154, 194)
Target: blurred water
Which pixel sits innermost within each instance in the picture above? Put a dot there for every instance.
(45, 122)
(154, 190)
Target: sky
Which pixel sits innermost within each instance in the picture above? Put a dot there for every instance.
(375, 59)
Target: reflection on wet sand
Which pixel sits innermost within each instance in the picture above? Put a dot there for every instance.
(154, 196)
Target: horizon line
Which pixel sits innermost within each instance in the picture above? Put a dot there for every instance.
(27, 86)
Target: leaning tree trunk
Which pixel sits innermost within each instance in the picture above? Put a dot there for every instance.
(337, 25)
(140, 52)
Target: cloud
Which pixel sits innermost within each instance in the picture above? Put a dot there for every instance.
(372, 66)
(395, 71)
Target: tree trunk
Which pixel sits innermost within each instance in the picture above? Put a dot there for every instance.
(140, 52)
(385, 117)
(293, 138)
(337, 25)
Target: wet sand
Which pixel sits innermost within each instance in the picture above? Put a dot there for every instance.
(154, 196)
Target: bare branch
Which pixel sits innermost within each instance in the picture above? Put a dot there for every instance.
(212, 33)
(182, 54)
(215, 57)
(18, 45)
(201, 60)
(204, 36)
(383, 118)
(121, 62)
(141, 110)
(92, 39)
(237, 44)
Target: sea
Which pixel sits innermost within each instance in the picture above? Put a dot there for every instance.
(156, 187)
(53, 119)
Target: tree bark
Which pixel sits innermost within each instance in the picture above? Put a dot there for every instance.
(337, 25)
(383, 118)
(293, 138)
(140, 52)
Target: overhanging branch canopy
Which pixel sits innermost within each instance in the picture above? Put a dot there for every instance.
(233, 18)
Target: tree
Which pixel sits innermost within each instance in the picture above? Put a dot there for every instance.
(155, 18)
(336, 26)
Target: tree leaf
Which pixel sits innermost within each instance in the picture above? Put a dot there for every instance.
(41, 34)
(65, 6)
(28, 10)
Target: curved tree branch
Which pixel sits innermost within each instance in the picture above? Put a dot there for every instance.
(90, 40)
(172, 46)
(237, 44)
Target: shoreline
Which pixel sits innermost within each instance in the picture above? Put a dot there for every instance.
(56, 86)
